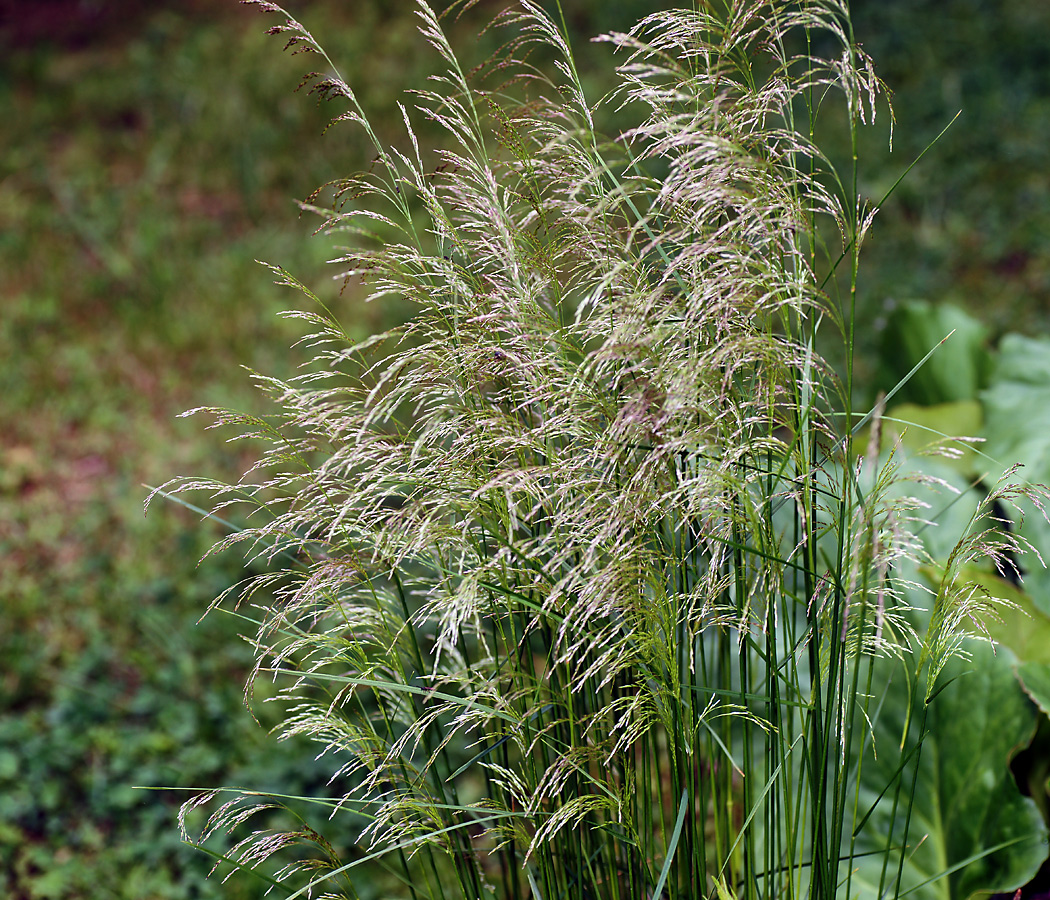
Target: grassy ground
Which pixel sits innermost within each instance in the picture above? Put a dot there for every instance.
(969, 224)
(140, 177)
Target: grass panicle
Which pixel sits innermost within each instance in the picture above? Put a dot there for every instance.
(581, 578)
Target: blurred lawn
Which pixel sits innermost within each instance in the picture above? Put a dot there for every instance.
(141, 175)
(971, 223)
(143, 169)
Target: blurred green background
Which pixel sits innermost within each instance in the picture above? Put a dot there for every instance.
(149, 153)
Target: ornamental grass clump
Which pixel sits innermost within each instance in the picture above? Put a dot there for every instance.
(585, 578)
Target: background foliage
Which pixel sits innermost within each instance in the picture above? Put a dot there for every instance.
(145, 161)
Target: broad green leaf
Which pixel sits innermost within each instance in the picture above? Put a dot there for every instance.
(950, 503)
(959, 368)
(1022, 627)
(1035, 679)
(971, 830)
(1017, 428)
(1023, 359)
(920, 427)
(1019, 625)
(1033, 771)
(1017, 406)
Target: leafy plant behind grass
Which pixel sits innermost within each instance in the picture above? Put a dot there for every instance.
(584, 588)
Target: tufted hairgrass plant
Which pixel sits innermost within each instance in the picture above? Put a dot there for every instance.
(582, 578)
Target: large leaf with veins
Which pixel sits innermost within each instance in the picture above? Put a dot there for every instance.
(971, 830)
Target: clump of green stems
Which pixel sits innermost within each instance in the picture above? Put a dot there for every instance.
(584, 576)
